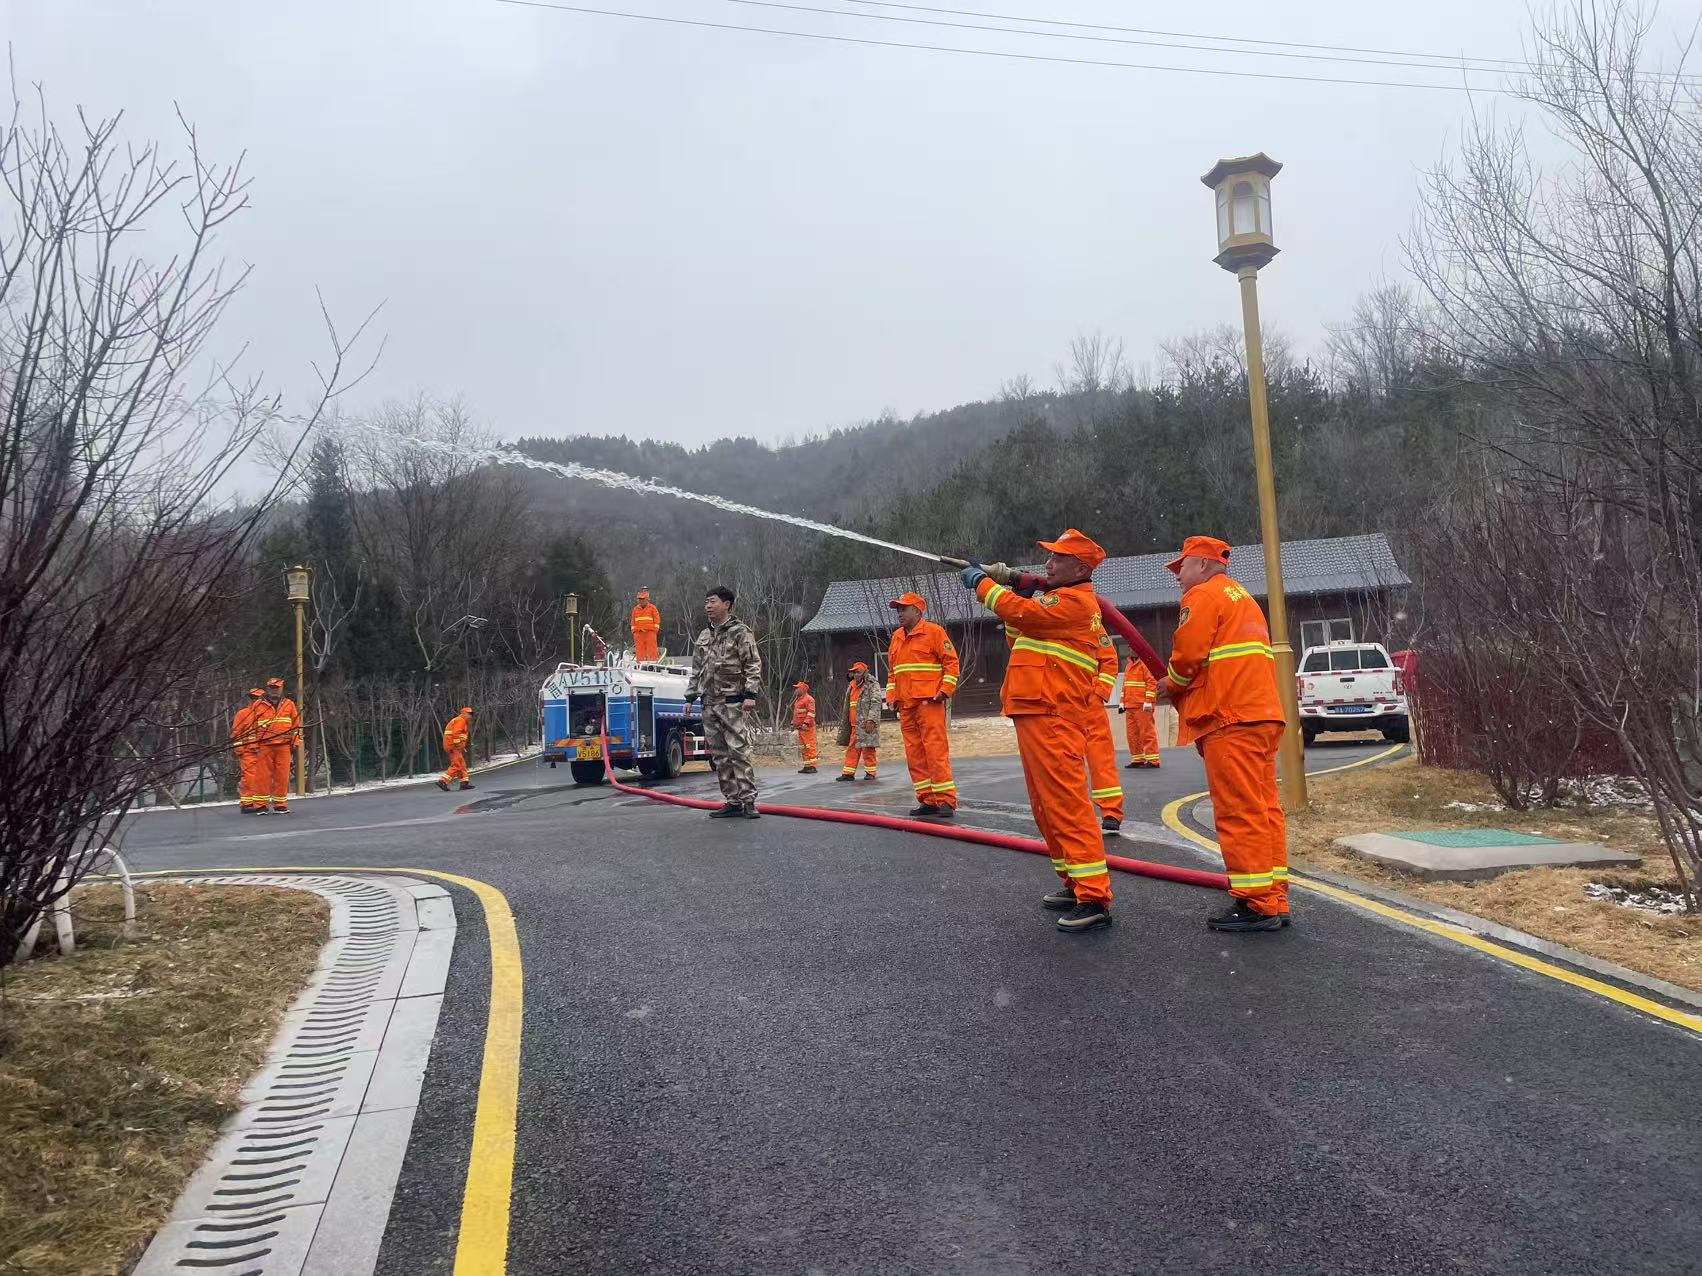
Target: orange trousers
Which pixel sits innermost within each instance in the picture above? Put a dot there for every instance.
(274, 776)
(851, 758)
(249, 790)
(457, 770)
(1142, 725)
(1241, 775)
(1053, 749)
(644, 645)
(807, 745)
(923, 723)
(1102, 782)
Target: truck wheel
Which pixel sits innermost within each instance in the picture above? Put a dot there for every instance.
(586, 772)
(1308, 738)
(1398, 735)
(672, 759)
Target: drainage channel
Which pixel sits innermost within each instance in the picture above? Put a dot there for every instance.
(300, 1181)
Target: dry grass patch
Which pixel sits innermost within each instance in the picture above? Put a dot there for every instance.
(119, 1063)
(1546, 902)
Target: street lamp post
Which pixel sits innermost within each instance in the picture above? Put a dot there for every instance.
(300, 581)
(572, 625)
(1244, 243)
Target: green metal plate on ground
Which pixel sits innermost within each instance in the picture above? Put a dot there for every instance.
(1468, 838)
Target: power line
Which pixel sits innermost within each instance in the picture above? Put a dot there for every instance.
(1096, 39)
(1451, 61)
(978, 53)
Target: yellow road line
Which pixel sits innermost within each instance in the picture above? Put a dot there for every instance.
(482, 1246)
(1683, 1019)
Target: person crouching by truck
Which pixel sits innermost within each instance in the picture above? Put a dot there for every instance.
(860, 724)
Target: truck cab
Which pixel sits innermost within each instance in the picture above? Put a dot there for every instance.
(639, 708)
(1351, 686)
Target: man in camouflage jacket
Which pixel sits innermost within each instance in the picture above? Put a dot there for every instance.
(726, 674)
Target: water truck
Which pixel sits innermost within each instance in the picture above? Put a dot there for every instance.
(651, 728)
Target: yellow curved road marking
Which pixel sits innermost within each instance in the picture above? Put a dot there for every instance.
(481, 1248)
(1173, 819)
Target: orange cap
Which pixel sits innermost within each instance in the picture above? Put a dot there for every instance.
(910, 600)
(274, 682)
(1076, 545)
(466, 708)
(859, 667)
(800, 686)
(1207, 547)
(644, 595)
(255, 691)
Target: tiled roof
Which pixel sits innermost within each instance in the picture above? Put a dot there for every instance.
(1344, 564)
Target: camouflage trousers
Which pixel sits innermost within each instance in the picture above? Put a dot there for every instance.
(727, 734)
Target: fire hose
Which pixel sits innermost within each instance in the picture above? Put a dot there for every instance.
(1004, 841)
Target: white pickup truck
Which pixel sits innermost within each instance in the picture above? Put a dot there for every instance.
(1351, 686)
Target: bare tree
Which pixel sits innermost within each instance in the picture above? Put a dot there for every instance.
(114, 559)
(1096, 364)
(1573, 300)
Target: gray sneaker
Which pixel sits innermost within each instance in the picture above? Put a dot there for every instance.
(1063, 897)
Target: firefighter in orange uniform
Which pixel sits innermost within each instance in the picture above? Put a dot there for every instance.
(1222, 680)
(245, 735)
(1051, 683)
(860, 726)
(280, 732)
(646, 627)
(1140, 695)
(455, 745)
(804, 722)
(921, 676)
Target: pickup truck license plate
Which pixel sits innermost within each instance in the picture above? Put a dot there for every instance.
(590, 752)
(1353, 708)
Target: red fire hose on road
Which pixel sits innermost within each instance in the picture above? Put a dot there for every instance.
(1122, 863)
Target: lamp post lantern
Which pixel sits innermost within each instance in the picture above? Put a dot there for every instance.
(300, 582)
(572, 625)
(1244, 244)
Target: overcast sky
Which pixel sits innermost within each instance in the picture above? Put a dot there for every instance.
(591, 224)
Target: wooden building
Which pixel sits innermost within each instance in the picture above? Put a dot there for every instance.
(1348, 587)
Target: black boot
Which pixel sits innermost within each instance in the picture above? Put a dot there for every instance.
(1110, 825)
(1085, 917)
(806, 770)
(465, 784)
(1063, 897)
(749, 811)
(1132, 766)
(1239, 916)
(444, 785)
(922, 811)
(845, 779)
(728, 811)
(869, 778)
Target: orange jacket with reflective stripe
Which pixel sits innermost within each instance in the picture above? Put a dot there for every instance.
(921, 663)
(245, 725)
(279, 723)
(455, 734)
(804, 711)
(646, 619)
(1056, 640)
(1222, 670)
(1140, 688)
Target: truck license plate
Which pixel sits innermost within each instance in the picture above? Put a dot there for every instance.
(590, 752)
(1353, 708)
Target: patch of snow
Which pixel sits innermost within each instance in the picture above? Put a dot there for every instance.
(1473, 806)
(1607, 790)
(1656, 899)
(365, 786)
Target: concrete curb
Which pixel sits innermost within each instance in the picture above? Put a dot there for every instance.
(301, 1180)
(1482, 926)
(1471, 923)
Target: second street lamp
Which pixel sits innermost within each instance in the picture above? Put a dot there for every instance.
(572, 624)
(1244, 244)
(299, 579)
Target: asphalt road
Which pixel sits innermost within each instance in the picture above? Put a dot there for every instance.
(788, 1046)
